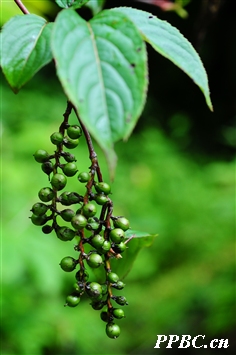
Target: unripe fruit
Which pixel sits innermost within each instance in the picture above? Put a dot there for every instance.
(79, 221)
(56, 138)
(70, 169)
(79, 287)
(59, 181)
(89, 210)
(105, 247)
(68, 263)
(41, 155)
(73, 197)
(46, 194)
(82, 275)
(93, 289)
(112, 277)
(102, 187)
(117, 235)
(84, 177)
(67, 214)
(72, 300)
(47, 167)
(94, 260)
(39, 209)
(101, 199)
(119, 285)
(69, 157)
(104, 316)
(97, 241)
(39, 220)
(112, 330)
(64, 198)
(65, 234)
(119, 248)
(47, 229)
(121, 222)
(118, 313)
(120, 300)
(70, 143)
(98, 305)
(74, 131)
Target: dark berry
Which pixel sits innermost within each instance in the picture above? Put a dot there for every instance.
(47, 167)
(104, 316)
(69, 157)
(59, 181)
(119, 285)
(56, 138)
(46, 194)
(119, 248)
(68, 263)
(120, 300)
(39, 220)
(67, 214)
(74, 132)
(82, 275)
(47, 229)
(65, 234)
(41, 156)
(39, 209)
(112, 330)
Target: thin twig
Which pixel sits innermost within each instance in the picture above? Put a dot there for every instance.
(22, 7)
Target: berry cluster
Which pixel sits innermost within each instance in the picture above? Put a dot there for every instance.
(87, 218)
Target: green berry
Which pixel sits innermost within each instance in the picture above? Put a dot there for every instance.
(93, 289)
(47, 229)
(41, 155)
(68, 263)
(121, 222)
(120, 300)
(118, 313)
(119, 285)
(79, 221)
(84, 176)
(67, 214)
(64, 198)
(105, 247)
(65, 234)
(119, 248)
(39, 220)
(82, 275)
(70, 169)
(112, 330)
(101, 199)
(73, 197)
(72, 300)
(92, 226)
(117, 235)
(112, 277)
(97, 241)
(47, 167)
(59, 181)
(56, 138)
(69, 157)
(89, 210)
(102, 187)
(104, 289)
(79, 287)
(39, 209)
(70, 143)
(74, 131)
(98, 305)
(94, 260)
(46, 194)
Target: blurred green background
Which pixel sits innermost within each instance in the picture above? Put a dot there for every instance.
(175, 177)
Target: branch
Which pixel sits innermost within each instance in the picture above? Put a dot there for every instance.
(22, 7)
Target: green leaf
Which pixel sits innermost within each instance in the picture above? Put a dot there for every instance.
(25, 48)
(69, 3)
(140, 240)
(169, 42)
(102, 65)
(95, 6)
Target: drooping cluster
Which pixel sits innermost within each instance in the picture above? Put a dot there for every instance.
(87, 219)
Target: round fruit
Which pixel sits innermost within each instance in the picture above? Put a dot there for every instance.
(94, 260)
(47, 229)
(98, 305)
(102, 187)
(70, 169)
(46, 194)
(70, 143)
(68, 263)
(74, 131)
(79, 222)
(105, 247)
(39, 209)
(84, 177)
(101, 199)
(56, 138)
(118, 313)
(59, 181)
(89, 210)
(41, 155)
(104, 316)
(73, 197)
(67, 214)
(97, 241)
(120, 300)
(65, 234)
(72, 300)
(119, 248)
(119, 285)
(112, 330)
(64, 198)
(121, 222)
(38, 220)
(112, 277)
(117, 235)
(82, 275)
(93, 289)
(69, 157)
(47, 167)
